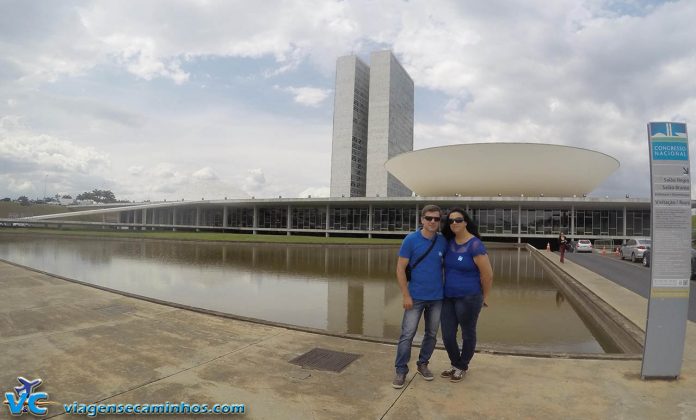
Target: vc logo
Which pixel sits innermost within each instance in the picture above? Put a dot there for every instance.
(25, 400)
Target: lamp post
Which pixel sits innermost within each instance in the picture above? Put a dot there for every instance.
(44, 194)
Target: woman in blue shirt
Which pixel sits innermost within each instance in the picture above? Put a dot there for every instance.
(468, 280)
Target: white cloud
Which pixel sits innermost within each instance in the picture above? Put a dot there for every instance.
(254, 181)
(17, 186)
(153, 39)
(315, 192)
(309, 96)
(135, 170)
(209, 189)
(164, 171)
(206, 173)
(588, 74)
(165, 180)
(139, 55)
(22, 150)
(36, 163)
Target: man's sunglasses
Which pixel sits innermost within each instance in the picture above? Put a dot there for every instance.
(455, 220)
(431, 218)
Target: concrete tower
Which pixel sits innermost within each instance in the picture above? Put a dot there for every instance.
(349, 144)
(390, 123)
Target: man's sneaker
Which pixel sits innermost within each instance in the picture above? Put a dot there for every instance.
(448, 373)
(427, 374)
(457, 375)
(399, 380)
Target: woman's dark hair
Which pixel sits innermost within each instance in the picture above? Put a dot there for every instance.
(471, 226)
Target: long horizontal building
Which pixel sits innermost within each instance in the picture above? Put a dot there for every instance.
(521, 219)
(519, 212)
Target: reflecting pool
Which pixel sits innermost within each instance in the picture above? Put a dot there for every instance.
(341, 289)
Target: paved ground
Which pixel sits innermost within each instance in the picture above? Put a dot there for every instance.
(89, 345)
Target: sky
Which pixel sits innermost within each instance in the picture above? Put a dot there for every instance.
(196, 99)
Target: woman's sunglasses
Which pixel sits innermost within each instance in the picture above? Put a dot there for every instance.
(455, 220)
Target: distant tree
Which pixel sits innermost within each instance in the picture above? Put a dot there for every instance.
(98, 196)
(67, 197)
(23, 200)
(6, 199)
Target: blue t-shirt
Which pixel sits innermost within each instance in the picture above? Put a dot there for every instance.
(462, 276)
(426, 278)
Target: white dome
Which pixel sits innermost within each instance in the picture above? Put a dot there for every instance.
(509, 169)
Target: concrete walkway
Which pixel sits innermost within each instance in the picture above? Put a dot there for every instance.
(90, 345)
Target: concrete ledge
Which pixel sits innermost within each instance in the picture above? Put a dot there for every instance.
(617, 333)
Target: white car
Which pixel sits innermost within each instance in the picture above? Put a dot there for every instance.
(583, 245)
(634, 249)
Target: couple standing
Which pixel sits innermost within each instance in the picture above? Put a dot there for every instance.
(453, 301)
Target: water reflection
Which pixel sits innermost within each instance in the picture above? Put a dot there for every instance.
(345, 289)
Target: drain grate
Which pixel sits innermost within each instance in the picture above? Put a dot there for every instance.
(322, 359)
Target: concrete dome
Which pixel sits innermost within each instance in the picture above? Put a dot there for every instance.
(509, 169)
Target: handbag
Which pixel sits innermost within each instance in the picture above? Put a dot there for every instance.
(409, 268)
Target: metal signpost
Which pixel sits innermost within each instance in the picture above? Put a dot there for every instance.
(671, 250)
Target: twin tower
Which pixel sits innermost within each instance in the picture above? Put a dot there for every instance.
(373, 122)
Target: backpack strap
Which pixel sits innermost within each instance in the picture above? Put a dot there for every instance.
(432, 243)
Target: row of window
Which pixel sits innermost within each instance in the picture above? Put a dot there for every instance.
(547, 221)
(396, 219)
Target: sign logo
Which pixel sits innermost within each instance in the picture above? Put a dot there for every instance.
(669, 141)
(25, 399)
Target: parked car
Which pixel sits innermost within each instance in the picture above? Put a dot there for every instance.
(634, 249)
(647, 260)
(583, 245)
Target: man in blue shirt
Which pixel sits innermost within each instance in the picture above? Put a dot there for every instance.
(422, 296)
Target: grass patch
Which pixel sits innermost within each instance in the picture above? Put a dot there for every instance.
(12, 210)
(205, 236)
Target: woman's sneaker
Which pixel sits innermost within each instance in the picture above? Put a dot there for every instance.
(457, 375)
(448, 373)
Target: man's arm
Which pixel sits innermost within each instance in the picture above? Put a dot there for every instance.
(401, 265)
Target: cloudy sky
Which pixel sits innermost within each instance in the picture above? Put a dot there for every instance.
(190, 99)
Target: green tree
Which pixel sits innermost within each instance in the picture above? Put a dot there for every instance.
(23, 200)
(98, 196)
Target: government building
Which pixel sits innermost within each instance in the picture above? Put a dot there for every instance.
(517, 192)
(373, 122)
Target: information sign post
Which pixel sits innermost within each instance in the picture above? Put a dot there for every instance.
(671, 250)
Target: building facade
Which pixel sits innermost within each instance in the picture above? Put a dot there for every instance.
(373, 121)
(390, 126)
(349, 144)
(533, 220)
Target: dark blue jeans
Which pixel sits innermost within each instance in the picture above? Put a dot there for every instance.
(460, 312)
(431, 311)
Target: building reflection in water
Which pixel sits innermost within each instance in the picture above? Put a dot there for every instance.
(342, 289)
